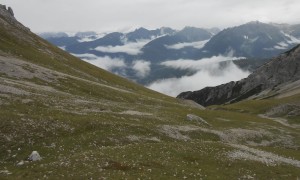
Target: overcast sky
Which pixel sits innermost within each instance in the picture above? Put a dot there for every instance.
(105, 15)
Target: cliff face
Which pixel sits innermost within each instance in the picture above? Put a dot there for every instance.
(280, 71)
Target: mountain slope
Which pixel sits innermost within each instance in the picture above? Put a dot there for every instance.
(267, 80)
(87, 123)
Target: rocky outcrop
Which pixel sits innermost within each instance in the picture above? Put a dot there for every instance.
(7, 18)
(6, 11)
(10, 11)
(281, 70)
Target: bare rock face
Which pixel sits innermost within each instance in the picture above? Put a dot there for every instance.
(283, 69)
(6, 11)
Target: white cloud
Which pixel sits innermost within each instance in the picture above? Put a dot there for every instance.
(106, 62)
(205, 63)
(142, 68)
(292, 39)
(82, 15)
(132, 48)
(85, 56)
(92, 38)
(197, 45)
(208, 74)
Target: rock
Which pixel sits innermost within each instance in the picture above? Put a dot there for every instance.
(284, 110)
(10, 11)
(5, 172)
(34, 156)
(280, 71)
(21, 163)
(192, 117)
(3, 7)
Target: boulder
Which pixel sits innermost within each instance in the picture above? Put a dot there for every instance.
(34, 156)
(192, 117)
(21, 163)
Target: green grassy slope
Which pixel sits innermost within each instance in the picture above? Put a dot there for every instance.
(88, 123)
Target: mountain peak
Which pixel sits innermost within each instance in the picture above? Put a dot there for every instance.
(255, 22)
(141, 29)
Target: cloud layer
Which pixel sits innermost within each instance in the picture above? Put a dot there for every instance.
(205, 63)
(106, 15)
(209, 73)
(106, 62)
(131, 48)
(197, 45)
(142, 68)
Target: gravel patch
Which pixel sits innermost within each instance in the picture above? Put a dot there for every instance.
(20, 69)
(129, 112)
(247, 153)
(135, 138)
(5, 89)
(192, 117)
(175, 131)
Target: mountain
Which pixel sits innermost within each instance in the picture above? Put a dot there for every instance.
(164, 48)
(143, 33)
(251, 40)
(118, 39)
(277, 77)
(111, 39)
(140, 44)
(293, 30)
(63, 118)
(47, 35)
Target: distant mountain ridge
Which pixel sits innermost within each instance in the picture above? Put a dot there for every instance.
(253, 41)
(250, 40)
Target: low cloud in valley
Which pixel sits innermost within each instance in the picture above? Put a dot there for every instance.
(105, 62)
(209, 72)
(131, 48)
(142, 68)
(197, 45)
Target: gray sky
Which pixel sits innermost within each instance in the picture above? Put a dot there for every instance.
(105, 15)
